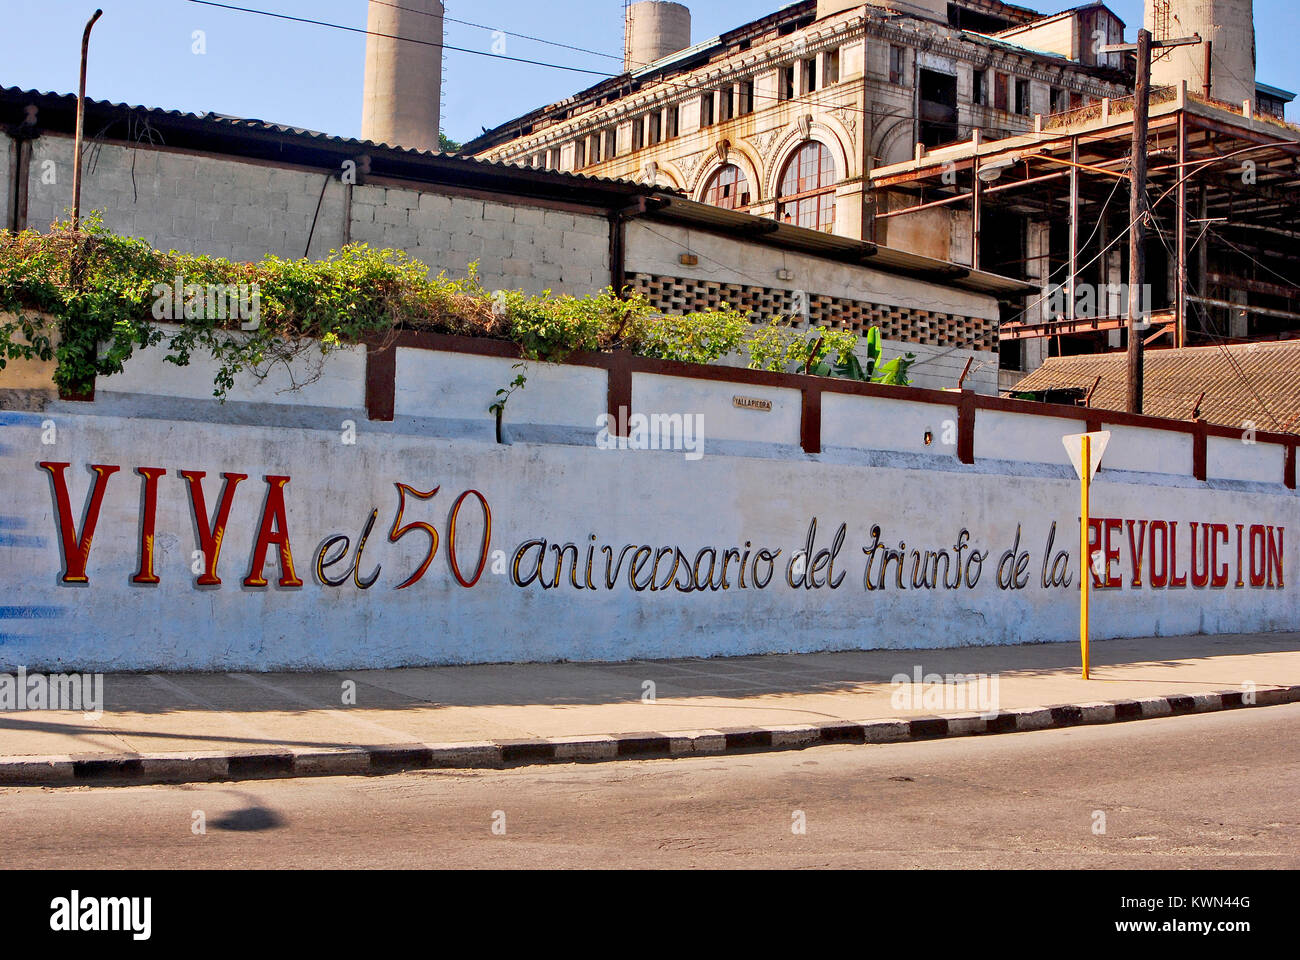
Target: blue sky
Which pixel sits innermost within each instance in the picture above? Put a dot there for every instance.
(311, 76)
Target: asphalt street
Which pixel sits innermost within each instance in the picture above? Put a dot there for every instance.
(1207, 791)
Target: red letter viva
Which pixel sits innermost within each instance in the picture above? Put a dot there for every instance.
(273, 530)
(76, 550)
(210, 536)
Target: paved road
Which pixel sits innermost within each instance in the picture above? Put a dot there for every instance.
(1218, 790)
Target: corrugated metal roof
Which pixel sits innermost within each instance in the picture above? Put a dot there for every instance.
(1244, 383)
(45, 100)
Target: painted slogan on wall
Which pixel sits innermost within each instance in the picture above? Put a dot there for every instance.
(1133, 553)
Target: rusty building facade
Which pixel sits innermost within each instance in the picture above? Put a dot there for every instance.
(785, 117)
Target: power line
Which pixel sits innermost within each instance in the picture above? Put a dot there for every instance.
(1232, 361)
(688, 88)
(508, 33)
(1287, 280)
(1080, 268)
(387, 36)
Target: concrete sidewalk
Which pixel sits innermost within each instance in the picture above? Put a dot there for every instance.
(217, 726)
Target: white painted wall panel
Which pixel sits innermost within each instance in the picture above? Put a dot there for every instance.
(873, 423)
(722, 419)
(1148, 451)
(1018, 436)
(463, 386)
(1231, 459)
(336, 380)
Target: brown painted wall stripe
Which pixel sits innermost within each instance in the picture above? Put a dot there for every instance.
(381, 381)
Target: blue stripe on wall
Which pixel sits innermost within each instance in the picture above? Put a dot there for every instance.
(32, 612)
(15, 418)
(21, 540)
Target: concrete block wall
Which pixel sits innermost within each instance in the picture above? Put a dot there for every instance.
(517, 247)
(244, 211)
(657, 249)
(189, 202)
(940, 368)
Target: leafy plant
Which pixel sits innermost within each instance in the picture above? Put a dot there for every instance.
(87, 299)
(825, 353)
(694, 337)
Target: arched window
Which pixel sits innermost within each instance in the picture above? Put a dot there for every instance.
(727, 188)
(806, 196)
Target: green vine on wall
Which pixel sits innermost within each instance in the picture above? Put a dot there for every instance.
(88, 299)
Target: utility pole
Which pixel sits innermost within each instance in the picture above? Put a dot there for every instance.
(1139, 208)
(1137, 213)
(81, 123)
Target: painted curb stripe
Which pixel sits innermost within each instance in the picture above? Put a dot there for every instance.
(756, 739)
(1066, 715)
(842, 733)
(247, 766)
(1127, 710)
(400, 755)
(928, 728)
(391, 758)
(647, 744)
(107, 768)
(526, 751)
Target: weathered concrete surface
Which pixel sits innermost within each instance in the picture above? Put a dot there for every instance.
(1202, 792)
(151, 713)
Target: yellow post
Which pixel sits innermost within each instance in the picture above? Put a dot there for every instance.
(1085, 560)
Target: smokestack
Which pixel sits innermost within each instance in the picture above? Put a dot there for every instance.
(403, 79)
(654, 30)
(1228, 24)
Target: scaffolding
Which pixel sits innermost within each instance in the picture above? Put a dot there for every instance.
(1224, 250)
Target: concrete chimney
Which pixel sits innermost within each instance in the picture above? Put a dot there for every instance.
(654, 30)
(1230, 24)
(403, 79)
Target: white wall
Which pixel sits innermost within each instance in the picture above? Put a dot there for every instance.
(8, 156)
(463, 386)
(893, 425)
(1240, 459)
(1025, 437)
(336, 380)
(875, 470)
(714, 403)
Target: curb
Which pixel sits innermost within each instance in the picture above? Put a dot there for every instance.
(279, 763)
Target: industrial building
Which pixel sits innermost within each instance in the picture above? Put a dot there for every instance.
(785, 117)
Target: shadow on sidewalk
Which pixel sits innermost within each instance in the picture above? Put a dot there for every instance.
(1115, 662)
